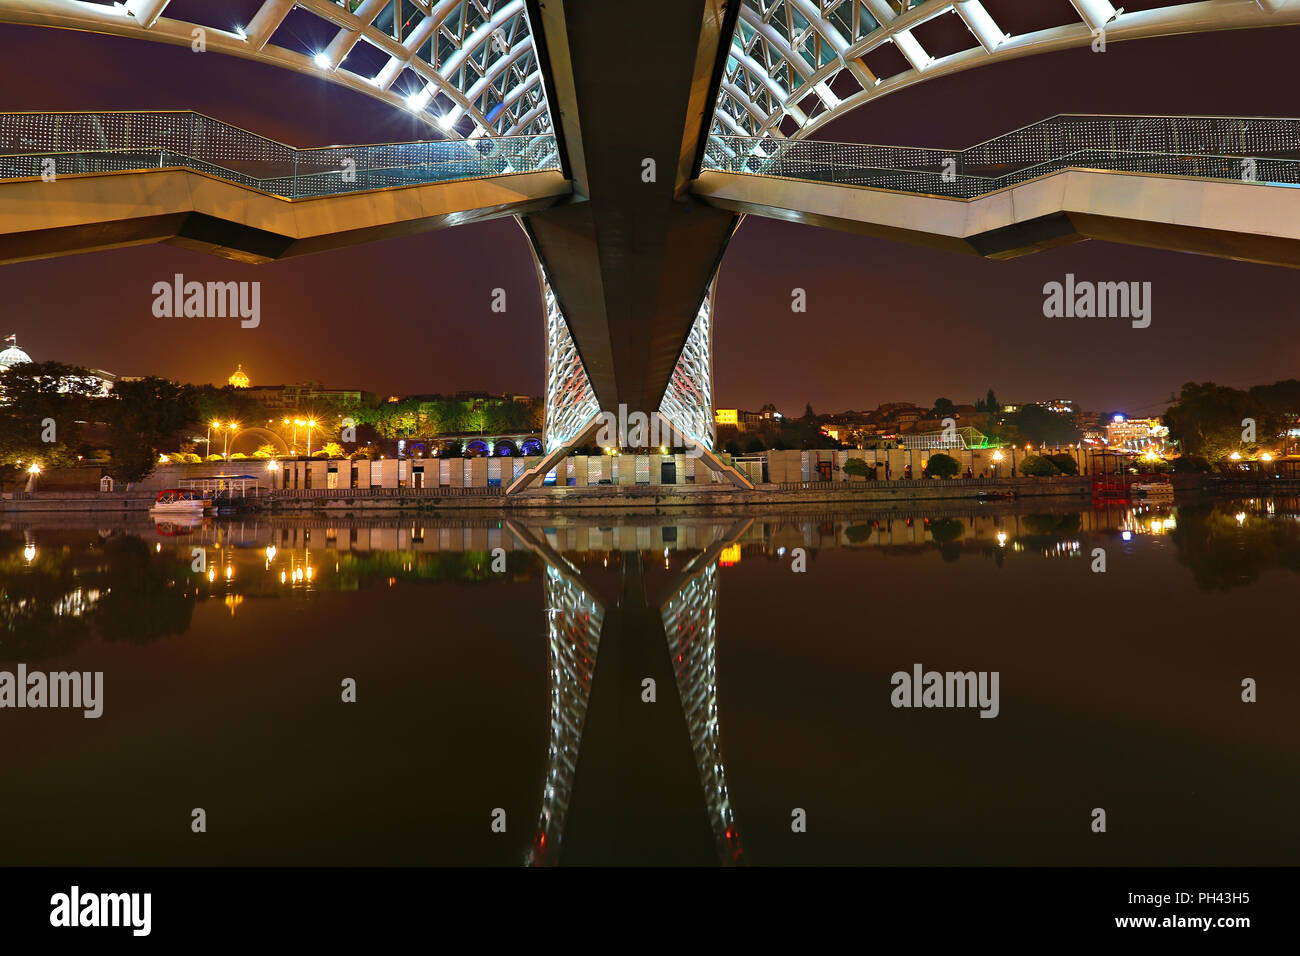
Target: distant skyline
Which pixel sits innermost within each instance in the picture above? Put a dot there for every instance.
(885, 321)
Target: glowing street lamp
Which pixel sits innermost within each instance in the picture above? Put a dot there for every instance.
(207, 446)
(33, 472)
(230, 433)
(311, 424)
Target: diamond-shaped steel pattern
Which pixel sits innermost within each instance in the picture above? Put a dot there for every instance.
(570, 399)
(796, 64)
(688, 400)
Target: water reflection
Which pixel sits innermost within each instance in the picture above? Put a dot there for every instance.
(619, 603)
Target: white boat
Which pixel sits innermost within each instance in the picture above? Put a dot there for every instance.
(178, 502)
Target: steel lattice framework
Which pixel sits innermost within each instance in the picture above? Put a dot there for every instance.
(469, 68)
(795, 65)
(688, 400)
(570, 400)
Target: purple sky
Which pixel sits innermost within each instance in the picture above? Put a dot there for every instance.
(885, 322)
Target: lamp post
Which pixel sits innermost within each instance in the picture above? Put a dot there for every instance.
(311, 423)
(230, 433)
(33, 472)
(297, 423)
(207, 442)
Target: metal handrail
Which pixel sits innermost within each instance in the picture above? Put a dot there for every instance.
(194, 140)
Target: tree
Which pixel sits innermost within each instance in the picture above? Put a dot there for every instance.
(858, 468)
(44, 404)
(942, 466)
(808, 414)
(755, 445)
(1038, 466)
(1065, 463)
(333, 449)
(1191, 464)
(1209, 420)
(1042, 427)
(943, 408)
(141, 416)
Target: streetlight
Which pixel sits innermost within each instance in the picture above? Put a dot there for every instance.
(298, 423)
(34, 471)
(207, 452)
(311, 423)
(230, 433)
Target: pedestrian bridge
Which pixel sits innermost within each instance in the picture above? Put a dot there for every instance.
(76, 182)
(1220, 186)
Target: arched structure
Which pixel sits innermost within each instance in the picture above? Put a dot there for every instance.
(795, 65)
(467, 68)
(626, 260)
(261, 436)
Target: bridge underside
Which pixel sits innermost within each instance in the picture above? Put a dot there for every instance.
(628, 234)
(85, 213)
(629, 262)
(1235, 220)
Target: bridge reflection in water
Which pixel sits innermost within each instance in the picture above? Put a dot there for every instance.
(687, 624)
(622, 780)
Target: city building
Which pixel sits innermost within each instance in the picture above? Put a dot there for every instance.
(964, 439)
(305, 395)
(1062, 406)
(1135, 433)
(765, 418)
(239, 378)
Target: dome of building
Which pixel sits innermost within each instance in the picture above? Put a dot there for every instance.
(13, 355)
(240, 378)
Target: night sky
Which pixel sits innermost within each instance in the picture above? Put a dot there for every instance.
(885, 322)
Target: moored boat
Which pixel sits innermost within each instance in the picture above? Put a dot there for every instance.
(178, 502)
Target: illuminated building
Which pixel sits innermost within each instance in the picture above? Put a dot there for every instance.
(1135, 433)
(239, 379)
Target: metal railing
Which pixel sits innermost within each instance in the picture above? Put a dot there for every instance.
(53, 144)
(436, 491)
(840, 484)
(1252, 149)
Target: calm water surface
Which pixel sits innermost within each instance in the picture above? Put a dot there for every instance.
(519, 693)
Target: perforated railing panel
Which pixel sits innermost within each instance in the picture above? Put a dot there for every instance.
(1264, 150)
(33, 144)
